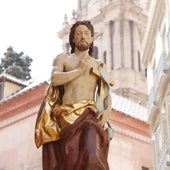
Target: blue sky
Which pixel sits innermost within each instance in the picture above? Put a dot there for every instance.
(31, 26)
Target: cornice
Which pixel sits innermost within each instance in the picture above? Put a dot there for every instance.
(20, 103)
(19, 117)
(30, 87)
(10, 78)
(129, 107)
(131, 134)
(116, 7)
(122, 8)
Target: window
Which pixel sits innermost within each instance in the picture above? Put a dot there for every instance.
(146, 72)
(111, 34)
(95, 52)
(132, 43)
(104, 57)
(139, 63)
(1, 90)
(145, 168)
(67, 48)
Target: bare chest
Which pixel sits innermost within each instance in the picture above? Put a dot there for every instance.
(71, 64)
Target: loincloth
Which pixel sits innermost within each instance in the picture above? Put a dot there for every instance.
(68, 113)
(50, 122)
(82, 145)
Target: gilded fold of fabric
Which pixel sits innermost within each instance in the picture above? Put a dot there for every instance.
(51, 122)
(83, 145)
(45, 127)
(67, 114)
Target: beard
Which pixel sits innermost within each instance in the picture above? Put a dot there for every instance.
(83, 45)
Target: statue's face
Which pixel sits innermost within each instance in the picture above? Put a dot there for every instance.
(82, 38)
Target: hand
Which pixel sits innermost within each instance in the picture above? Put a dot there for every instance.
(103, 117)
(83, 65)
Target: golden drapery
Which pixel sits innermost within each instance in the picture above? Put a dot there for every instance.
(83, 145)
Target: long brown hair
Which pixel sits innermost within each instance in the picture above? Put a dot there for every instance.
(72, 31)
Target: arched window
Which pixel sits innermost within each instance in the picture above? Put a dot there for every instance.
(145, 72)
(67, 47)
(139, 63)
(132, 43)
(105, 57)
(95, 52)
(1, 90)
(111, 35)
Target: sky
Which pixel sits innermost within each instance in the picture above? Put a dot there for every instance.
(31, 26)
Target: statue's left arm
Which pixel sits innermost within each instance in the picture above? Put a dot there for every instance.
(103, 102)
(104, 116)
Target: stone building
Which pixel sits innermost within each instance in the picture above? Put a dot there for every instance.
(156, 58)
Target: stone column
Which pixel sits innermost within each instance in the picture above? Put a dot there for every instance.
(136, 48)
(107, 46)
(117, 45)
(127, 45)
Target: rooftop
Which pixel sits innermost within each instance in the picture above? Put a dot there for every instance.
(128, 107)
(13, 79)
(119, 103)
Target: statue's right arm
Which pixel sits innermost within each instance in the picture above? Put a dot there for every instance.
(59, 76)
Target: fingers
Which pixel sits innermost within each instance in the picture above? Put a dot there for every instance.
(101, 120)
(99, 116)
(83, 65)
(101, 123)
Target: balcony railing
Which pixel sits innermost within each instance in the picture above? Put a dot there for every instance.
(162, 68)
(162, 157)
(152, 101)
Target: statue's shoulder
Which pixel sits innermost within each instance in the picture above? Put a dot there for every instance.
(61, 56)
